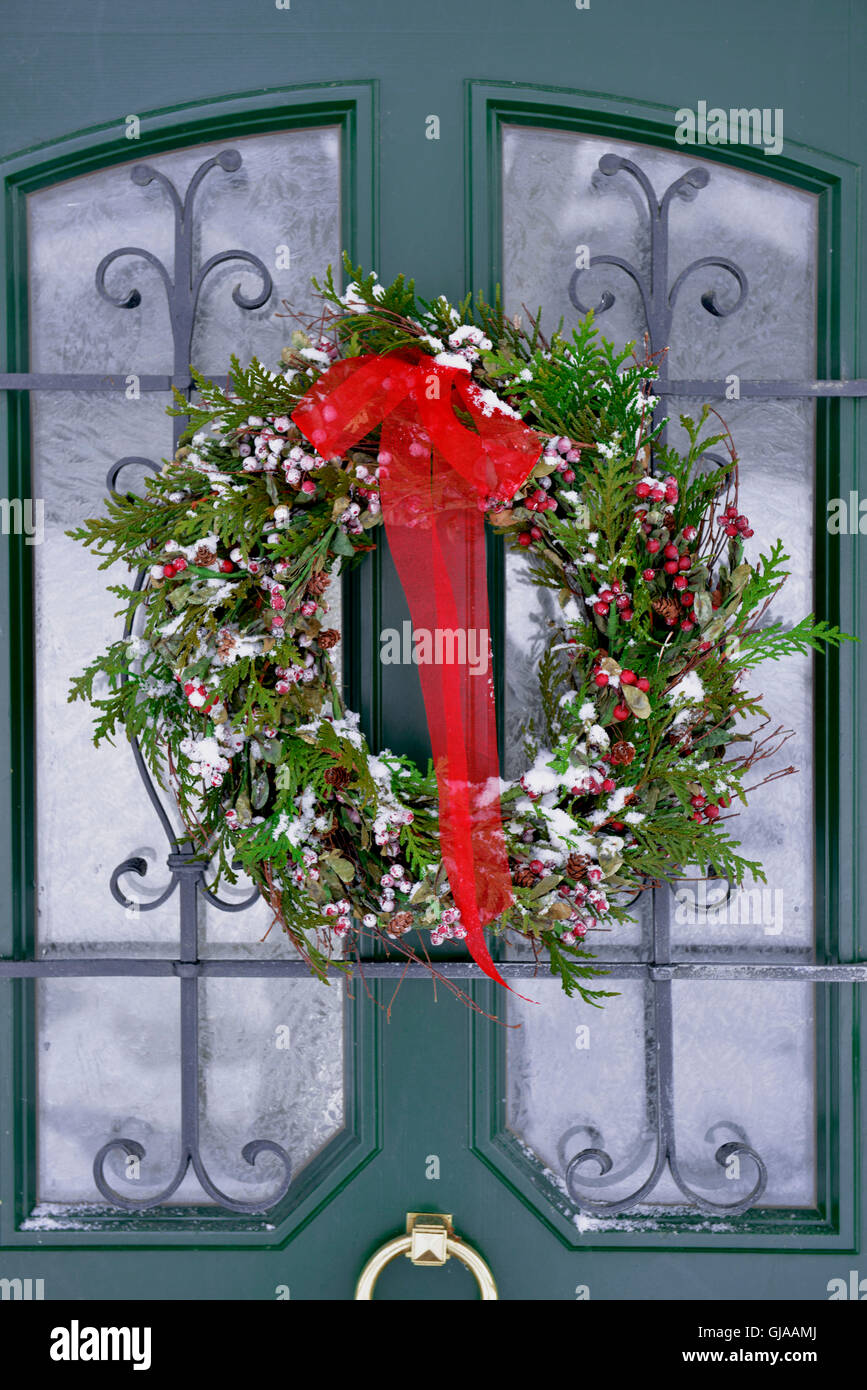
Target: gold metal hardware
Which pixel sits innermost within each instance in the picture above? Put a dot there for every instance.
(430, 1240)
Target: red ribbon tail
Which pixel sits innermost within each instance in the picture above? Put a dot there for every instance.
(434, 474)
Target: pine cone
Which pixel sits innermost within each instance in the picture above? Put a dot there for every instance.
(205, 557)
(669, 521)
(577, 866)
(338, 777)
(328, 638)
(318, 583)
(226, 645)
(525, 877)
(716, 598)
(621, 754)
(400, 924)
(667, 609)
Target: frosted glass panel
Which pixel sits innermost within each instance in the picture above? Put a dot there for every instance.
(271, 1068)
(743, 1052)
(108, 1049)
(569, 1090)
(743, 1071)
(555, 199)
(109, 1067)
(92, 812)
(774, 440)
(282, 204)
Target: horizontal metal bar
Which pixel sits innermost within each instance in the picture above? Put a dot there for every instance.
(97, 381)
(66, 381)
(80, 966)
(714, 390)
(763, 390)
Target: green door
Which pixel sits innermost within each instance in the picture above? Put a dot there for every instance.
(467, 145)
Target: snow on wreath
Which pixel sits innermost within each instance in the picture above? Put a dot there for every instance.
(648, 734)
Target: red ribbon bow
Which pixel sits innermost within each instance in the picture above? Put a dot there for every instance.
(435, 478)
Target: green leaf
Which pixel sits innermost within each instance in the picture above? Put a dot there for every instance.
(545, 885)
(703, 608)
(637, 701)
(342, 867)
(341, 544)
(610, 860)
(260, 790)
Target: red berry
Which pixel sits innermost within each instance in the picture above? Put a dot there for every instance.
(642, 490)
(616, 825)
(525, 538)
(609, 784)
(711, 812)
(169, 571)
(308, 485)
(671, 552)
(686, 626)
(725, 801)
(536, 533)
(698, 800)
(628, 677)
(731, 531)
(568, 475)
(685, 562)
(680, 581)
(621, 711)
(687, 599)
(643, 684)
(649, 575)
(747, 532)
(601, 609)
(537, 866)
(179, 564)
(601, 678)
(696, 815)
(626, 615)
(652, 546)
(550, 505)
(670, 567)
(606, 595)
(189, 687)
(226, 566)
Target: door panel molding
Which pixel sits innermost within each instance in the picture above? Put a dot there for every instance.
(352, 107)
(839, 940)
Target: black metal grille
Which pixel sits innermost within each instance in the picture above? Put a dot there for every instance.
(188, 874)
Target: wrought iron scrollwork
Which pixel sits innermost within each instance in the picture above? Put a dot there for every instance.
(657, 298)
(660, 1138)
(187, 870)
(184, 285)
(658, 302)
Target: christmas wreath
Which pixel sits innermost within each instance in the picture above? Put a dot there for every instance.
(438, 419)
